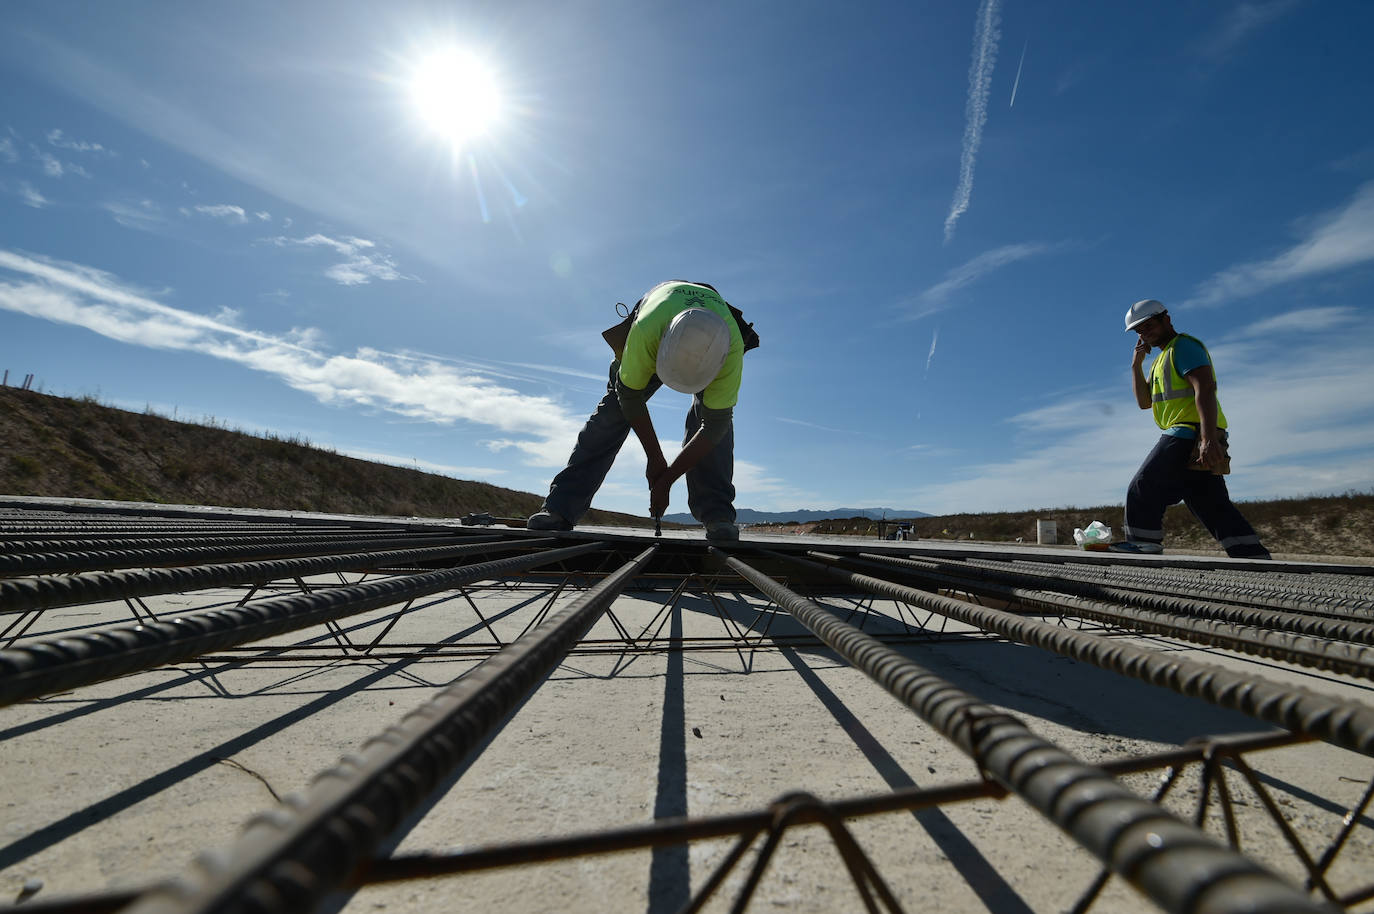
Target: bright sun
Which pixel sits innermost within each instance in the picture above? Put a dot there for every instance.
(456, 95)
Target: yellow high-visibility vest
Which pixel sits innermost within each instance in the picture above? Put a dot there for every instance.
(1172, 396)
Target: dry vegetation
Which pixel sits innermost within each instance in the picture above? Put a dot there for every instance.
(1338, 525)
(79, 448)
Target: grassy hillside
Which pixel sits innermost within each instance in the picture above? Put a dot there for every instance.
(82, 449)
(1334, 525)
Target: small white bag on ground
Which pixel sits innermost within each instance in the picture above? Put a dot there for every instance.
(1094, 533)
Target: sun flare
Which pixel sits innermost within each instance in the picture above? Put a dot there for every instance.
(456, 95)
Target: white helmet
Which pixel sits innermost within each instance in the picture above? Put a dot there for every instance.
(1142, 311)
(692, 350)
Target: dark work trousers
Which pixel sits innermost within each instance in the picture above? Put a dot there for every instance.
(710, 484)
(1164, 479)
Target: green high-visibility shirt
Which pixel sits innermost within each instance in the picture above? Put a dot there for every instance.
(1171, 395)
(663, 303)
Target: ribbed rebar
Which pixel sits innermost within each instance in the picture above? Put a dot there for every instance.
(1341, 723)
(67, 663)
(24, 594)
(252, 548)
(1177, 866)
(1337, 657)
(1352, 630)
(101, 544)
(287, 860)
(1339, 602)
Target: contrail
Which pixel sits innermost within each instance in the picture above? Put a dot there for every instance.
(934, 338)
(1018, 75)
(985, 37)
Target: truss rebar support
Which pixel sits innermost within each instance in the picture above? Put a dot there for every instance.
(67, 663)
(287, 860)
(1174, 864)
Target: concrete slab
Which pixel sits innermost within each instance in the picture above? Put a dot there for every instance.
(119, 784)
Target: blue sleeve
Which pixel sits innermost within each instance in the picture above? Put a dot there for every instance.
(1189, 355)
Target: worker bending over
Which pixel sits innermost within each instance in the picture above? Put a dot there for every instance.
(685, 335)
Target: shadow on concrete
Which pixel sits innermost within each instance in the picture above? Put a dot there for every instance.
(56, 832)
(670, 869)
(1026, 679)
(982, 877)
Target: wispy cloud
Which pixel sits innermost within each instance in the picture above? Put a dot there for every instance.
(144, 215)
(58, 139)
(31, 197)
(263, 216)
(941, 296)
(985, 37)
(930, 356)
(226, 212)
(1243, 20)
(8, 153)
(1335, 241)
(429, 466)
(1309, 320)
(52, 166)
(1017, 83)
(818, 427)
(1299, 407)
(362, 261)
(537, 427)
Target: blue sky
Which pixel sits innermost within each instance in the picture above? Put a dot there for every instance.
(936, 214)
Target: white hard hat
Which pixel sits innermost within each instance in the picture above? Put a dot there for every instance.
(692, 350)
(1142, 311)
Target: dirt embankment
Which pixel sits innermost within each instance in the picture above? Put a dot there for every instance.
(79, 448)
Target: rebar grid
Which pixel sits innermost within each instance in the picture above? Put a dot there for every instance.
(1324, 653)
(1222, 883)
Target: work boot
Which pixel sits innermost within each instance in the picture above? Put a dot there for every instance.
(547, 520)
(722, 531)
(1136, 547)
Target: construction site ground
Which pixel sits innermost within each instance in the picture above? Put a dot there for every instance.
(116, 785)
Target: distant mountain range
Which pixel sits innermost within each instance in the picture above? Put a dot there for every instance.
(750, 516)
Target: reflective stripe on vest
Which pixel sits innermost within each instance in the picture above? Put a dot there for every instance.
(1170, 393)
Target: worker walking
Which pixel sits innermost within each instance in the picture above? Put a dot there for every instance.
(685, 335)
(1190, 461)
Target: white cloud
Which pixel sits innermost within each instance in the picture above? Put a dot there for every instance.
(458, 472)
(1309, 320)
(56, 138)
(986, 34)
(52, 167)
(939, 297)
(31, 197)
(1335, 241)
(224, 211)
(361, 263)
(1240, 23)
(7, 151)
(144, 215)
(426, 390)
(1301, 413)
(818, 427)
(263, 216)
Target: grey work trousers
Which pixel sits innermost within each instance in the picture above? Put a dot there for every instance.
(710, 484)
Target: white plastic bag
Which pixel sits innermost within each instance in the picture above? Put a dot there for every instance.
(1095, 533)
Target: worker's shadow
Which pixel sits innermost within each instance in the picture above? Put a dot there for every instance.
(1024, 679)
(1020, 678)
